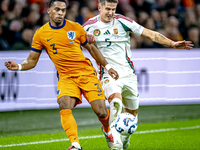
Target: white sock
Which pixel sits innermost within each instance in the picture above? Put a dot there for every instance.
(137, 117)
(76, 144)
(116, 135)
(113, 110)
(126, 137)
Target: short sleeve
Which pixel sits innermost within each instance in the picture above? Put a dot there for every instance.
(36, 43)
(130, 25)
(136, 28)
(83, 39)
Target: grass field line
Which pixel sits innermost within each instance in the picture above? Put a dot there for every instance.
(99, 136)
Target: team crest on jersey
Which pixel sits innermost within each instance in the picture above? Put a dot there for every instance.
(71, 35)
(97, 32)
(115, 30)
(106, 81)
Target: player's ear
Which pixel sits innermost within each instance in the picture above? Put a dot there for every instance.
(99, 8)
(48, 10)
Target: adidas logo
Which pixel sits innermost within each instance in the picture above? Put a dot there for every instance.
(107, 32)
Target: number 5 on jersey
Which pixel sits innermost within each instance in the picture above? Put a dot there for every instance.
(107, 40)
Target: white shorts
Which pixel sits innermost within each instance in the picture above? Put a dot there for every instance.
(126, 86)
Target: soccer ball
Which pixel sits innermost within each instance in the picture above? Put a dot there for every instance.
(125, 123)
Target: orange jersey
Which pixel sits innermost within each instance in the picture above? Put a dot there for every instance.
(63, 45)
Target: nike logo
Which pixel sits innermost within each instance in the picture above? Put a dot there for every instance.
(49, 39)
(99, 94)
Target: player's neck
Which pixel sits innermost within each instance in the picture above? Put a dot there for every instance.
(104, 21)
(54, 24)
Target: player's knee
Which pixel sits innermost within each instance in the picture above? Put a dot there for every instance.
(62, 104)
(99, 108)
(133, 112)
(66, 102)
(102, 113)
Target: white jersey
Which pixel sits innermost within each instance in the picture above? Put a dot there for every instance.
(113, 40)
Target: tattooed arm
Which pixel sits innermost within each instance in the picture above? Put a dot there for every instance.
(161, 39)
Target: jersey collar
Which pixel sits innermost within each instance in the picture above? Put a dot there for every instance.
(64, 22)
(109, 23)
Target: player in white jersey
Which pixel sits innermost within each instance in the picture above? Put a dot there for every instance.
(110, 32)
(113, 40)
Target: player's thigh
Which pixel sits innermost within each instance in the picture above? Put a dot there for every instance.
(68, 87)
(91, 88)
(130, 95)
(111, 86)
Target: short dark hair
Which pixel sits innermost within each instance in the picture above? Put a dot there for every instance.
(52, 1)
(102, 2)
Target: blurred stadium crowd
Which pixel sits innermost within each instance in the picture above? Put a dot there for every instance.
(176, 19)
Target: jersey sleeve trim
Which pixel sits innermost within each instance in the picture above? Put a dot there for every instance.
(36, 50)
(123, 17)
(84, 43)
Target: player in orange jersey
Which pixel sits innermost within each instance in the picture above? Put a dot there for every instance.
(62, 40)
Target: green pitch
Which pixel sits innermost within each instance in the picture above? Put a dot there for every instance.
(160, 128)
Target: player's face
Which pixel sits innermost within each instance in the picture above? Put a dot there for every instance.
(107, 11)
(57, 13)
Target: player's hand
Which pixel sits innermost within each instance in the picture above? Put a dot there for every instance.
(113, 73)
(11, 65)
(90, 37)
(183, 45)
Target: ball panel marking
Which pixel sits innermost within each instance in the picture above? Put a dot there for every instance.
(126, 123)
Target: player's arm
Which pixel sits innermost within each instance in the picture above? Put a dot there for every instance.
(27, 64)
(161, 39)
(96, 54)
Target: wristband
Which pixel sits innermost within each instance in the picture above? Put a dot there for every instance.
(108, 67)
(19, 67)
